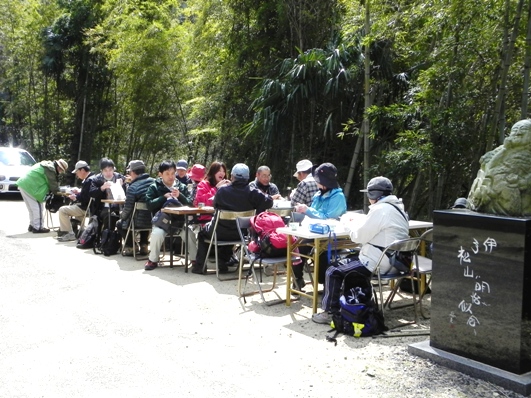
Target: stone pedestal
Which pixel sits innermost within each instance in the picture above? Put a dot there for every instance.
(481, 291)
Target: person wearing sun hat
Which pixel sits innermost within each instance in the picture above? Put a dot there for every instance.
(385, 223)
(197, 174)
(328, 202)
(41, 178)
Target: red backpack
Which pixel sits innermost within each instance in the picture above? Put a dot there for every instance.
(265, 239)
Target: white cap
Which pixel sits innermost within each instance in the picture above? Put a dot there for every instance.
(303, 165)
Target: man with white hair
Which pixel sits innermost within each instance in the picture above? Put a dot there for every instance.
(236, 196)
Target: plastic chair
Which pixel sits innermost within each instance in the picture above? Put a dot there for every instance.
(213, 241)
(133, 230)
(244, 223)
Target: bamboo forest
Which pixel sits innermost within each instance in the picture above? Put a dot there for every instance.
(415, 90)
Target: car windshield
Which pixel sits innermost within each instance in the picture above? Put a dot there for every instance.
(10, 157)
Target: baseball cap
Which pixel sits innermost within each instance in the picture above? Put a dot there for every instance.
(135, 165)
(240, 171)
(303, 165)
(377, 187)
(79, 165)
(62, 165)
(182, 165)
(326, 175)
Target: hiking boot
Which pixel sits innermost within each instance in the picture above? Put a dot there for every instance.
(88, 245)
(41, 230)
(323, 318)
(299, 284)
(61, 233)
(144, 249)
(128, 251)
(150, 265)
(30, 228)
(70, 236)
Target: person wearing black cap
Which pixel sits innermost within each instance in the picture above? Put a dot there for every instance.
(385, 223)
(328, 202)
(181, 172)
(81, 199)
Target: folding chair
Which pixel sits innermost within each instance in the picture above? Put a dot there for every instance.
(243, 224)
(133, 230)
(213, 241)
(285, 213)
(404, 245)
(85, 217)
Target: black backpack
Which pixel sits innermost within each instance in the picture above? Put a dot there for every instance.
(53, 202)
(359, 314)
(89, 234)
(109, 243)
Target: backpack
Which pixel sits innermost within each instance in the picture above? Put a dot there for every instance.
(265, 239)
(53, 202)
(110, 243)
(359, 315)
(88, 236)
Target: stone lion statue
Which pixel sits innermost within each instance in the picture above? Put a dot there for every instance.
(503, 182)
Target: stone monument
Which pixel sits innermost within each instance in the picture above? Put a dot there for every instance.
(481, 290)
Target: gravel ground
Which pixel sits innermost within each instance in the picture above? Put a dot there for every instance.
(76, 324)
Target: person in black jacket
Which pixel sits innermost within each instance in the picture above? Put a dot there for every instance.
(81, 199)
(136, 192)
(101, 189)
(166, 188)
(237, 196)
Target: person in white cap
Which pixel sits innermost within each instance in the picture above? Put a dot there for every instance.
(81, 199)
(307, 186)
(40, 179)
(385, 223)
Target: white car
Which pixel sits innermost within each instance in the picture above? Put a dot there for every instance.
(14, 163)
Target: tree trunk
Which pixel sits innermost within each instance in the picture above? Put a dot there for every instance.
(352, 167)
(365, 125)
(527, 66)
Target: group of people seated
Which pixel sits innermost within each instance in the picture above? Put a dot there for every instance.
(317, 195)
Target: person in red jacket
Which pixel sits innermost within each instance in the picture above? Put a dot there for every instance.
(206, 190)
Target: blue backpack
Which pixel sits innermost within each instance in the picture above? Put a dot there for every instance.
(359, 315)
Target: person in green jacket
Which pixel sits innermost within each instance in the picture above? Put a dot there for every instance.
(35, 184)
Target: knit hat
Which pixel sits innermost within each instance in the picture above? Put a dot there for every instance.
(198, 172)
(378, 187)
(61, 165)
(240, 171)
(326, 175)
(303, 165)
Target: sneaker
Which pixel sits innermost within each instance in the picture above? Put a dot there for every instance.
(150, 265)
(67, 238)
(61, 233)
(128, 251)
(323, 318)
(41, 230)
(88, 245)
(30, 228)
(299, 284)
(144, 249)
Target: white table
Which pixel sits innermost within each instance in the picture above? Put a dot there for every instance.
(320, 243)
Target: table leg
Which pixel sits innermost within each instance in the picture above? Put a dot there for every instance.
(186, 243)
(288, 271)
(316, 252)
(171, 242)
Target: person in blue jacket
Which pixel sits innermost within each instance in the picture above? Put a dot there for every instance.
(329, 202)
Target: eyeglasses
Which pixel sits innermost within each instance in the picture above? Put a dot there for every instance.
(267, 176)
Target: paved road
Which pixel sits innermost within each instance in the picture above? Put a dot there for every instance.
(74, 324)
